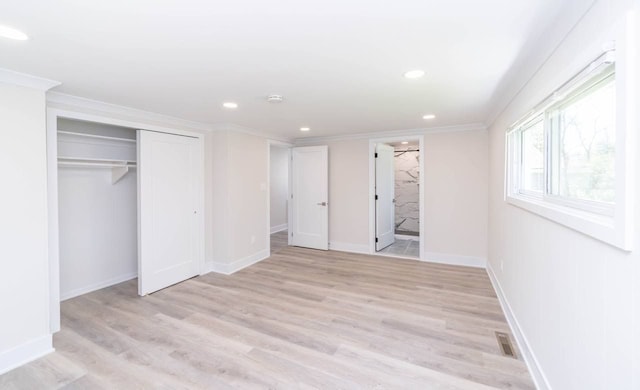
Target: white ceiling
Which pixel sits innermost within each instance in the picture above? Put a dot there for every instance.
(338, 63)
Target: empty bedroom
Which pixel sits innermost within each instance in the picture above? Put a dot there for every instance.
(420, 194)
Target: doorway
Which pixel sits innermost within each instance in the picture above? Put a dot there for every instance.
(278, 221)
(396, 172)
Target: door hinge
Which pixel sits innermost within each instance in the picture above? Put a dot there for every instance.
(375, 155)
(291, 196)
(376, 196)
(291, 234)
(376, 239)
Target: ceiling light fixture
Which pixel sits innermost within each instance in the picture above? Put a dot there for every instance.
(414, 74)
(275, 98)
(305, 128)
(429, 116)
(12, 33)
(405, 142)
(230, 105)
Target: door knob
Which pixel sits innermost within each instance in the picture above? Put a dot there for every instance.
(322, 204)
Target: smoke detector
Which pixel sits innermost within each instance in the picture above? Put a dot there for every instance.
(274, 98)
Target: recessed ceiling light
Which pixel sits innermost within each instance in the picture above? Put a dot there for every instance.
(230, 105)
(12, 33)
(414, 74)
(305, 128)
(429, 116)
(404, 142)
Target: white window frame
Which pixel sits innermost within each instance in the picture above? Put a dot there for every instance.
(610, 223)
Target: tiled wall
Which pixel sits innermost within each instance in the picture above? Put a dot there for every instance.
(407, 190)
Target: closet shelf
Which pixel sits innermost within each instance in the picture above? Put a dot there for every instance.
(95, 136)
(119, 168)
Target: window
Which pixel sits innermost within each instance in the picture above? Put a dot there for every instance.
(532, 157)
(564, 160)
(582, 141)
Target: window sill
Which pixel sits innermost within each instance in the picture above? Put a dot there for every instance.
(600, 227)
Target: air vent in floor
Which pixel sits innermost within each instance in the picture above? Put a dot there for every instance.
(505, 344)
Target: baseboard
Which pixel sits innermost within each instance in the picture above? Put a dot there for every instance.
(230, 268)
(347, 247)
(97, 286)
(406, 237)
(529, 357)
(23, 354)
(279, 228)
(445, 258)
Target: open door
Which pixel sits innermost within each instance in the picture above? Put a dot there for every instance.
(170, 186)
(385, 194)
(309, 197)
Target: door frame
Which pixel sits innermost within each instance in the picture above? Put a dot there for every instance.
(52, 193)
(288, 146)
(372, 192)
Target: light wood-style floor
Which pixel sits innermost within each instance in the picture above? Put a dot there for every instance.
(300, 319)
(279, 241)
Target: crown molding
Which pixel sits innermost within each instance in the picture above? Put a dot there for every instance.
(534, 56)
(250, 131)
(26, 80)
(392, 133)
(76, 103)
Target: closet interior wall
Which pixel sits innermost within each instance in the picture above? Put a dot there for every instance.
(97, 195)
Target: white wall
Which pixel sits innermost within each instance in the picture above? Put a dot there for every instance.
(455, 191)
(24, 283)
(575, 299)
(279, 183)
(98, 229)
(239, 233)
(349, 194)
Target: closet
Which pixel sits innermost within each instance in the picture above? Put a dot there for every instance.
(129, 205)
(97, 206)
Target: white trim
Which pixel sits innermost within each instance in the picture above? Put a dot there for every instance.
(97, 286)
(406, 237)
(26, 80)
(535, 369)
(230, 268)
(372, 183)
(129, 115)
(348, 247)
(398, 256)
(52, 216)
(597, 226)
(450, 259)
(25, 353)
(407, 133)
(279, 228)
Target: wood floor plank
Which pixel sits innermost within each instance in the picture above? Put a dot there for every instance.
(302, 319)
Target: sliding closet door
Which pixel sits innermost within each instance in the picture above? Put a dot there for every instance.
(170, 221)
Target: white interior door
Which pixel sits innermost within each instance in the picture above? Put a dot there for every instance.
(309, 197)
(385, 194)
(170, 220)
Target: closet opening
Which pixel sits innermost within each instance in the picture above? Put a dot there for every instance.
(125, 201)
(97, 206)
(397, 200)
(279, 193)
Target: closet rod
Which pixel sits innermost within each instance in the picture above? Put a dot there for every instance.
(96, 164)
